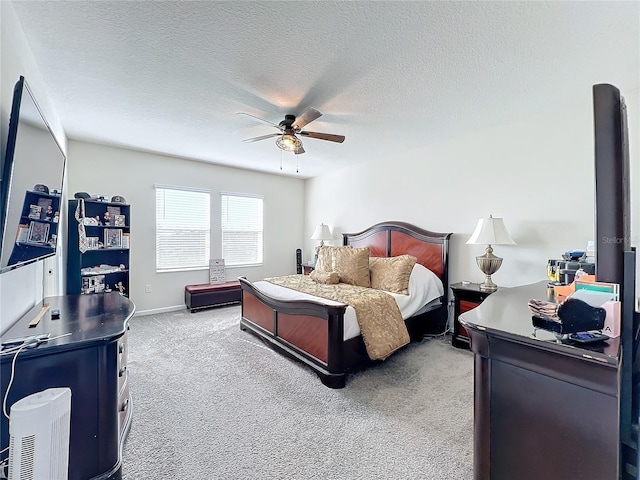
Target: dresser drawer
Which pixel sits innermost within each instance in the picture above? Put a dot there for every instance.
(123, 356)
(124, 405)
(123, 350)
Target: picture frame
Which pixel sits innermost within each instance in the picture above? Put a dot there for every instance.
(92, 243)
(125, 240)
(23, 233)
(38, 233)
(119, 220)
(113, 211)
(35, 211)
(217, 272)
(112, 238)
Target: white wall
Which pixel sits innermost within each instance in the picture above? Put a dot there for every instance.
(536, 174)
(109, 171)
(22, 288)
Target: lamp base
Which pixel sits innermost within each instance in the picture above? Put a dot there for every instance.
(318, 251)
(489, 264)
(488, 285)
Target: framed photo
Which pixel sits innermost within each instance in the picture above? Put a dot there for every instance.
(23, 234)
(125, 240)
(119, 220)
(38, 233)
(112, 238)
(92, 243)
(113, 211)
(35, 211)
(217, 273)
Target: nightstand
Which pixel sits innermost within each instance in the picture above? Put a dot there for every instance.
(307, 268)
(465, 297)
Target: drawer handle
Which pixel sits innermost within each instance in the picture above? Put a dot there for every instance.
(121, 348)
(122, 371)
(125, 405)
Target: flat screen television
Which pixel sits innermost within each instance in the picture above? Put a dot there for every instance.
(30, 185)
(613, 206)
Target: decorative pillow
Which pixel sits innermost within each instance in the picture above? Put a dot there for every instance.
(352, 264)
(392, 273)
(328, 278)
(325, 262)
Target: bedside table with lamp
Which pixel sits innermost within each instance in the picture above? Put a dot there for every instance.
(467, 295)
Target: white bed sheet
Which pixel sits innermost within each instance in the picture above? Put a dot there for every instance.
(424, 287)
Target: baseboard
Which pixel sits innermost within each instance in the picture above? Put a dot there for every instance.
(154, 311)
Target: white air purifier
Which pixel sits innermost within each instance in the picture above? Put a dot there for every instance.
(39, 427)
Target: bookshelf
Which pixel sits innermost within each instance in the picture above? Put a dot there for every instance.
(38, 227)
(101, 262)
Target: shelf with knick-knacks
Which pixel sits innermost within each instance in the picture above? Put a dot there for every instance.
(37, 230)
(99, 246)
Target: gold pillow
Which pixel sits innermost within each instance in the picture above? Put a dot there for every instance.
(352, 264)
(325, 262)
(328, 278)
(392, 273)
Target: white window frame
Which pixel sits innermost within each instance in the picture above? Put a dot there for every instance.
(201, 222)
(229, 261)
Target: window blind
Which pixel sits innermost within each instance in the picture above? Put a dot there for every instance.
(182, 229)
(242, 242)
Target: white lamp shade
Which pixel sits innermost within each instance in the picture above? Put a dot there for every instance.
(322, 232)
(490, 231)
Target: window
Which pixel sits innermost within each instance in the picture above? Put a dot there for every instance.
(182, 229)
(241, 230)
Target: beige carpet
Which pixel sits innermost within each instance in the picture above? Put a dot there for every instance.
(212, 402)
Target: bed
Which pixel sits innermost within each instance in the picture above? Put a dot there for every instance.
(312, 331)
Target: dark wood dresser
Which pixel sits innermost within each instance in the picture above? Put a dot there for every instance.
(92, 361)
(543, 410)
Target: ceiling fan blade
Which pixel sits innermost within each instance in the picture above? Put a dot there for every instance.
(308, 116)
(263, 137)
(324, 136)
(259, 119)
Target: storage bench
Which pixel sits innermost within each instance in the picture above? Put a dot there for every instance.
(207, 295)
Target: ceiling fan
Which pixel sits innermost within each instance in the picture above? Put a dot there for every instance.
(290, 128)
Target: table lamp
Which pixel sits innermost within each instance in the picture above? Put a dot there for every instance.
(490, 231)
(321, 233)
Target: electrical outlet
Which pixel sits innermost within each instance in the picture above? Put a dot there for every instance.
(147, 289)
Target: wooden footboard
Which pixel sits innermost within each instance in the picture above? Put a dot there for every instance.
(307, 331)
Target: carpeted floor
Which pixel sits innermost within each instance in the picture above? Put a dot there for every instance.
(212, 402)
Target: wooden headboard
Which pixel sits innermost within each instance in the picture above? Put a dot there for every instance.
(390, 239)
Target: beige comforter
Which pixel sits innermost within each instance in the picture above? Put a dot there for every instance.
(383, 329)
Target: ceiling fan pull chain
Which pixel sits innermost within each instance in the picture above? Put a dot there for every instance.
(297, 163)
(280, 159)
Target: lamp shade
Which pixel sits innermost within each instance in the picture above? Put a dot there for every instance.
(288, 142)
(322, 232)
(490, 231)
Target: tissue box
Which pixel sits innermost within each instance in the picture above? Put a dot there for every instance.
(612, 320)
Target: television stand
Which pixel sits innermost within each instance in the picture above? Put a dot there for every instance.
(91, 359)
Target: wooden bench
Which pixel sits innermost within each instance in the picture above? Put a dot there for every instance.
(207, 295)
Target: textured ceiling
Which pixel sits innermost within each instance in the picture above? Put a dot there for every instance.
(169, 77)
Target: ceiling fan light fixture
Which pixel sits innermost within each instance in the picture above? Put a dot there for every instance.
(288, 142)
